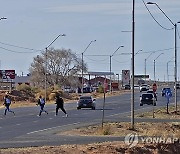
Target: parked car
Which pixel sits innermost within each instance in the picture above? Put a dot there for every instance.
(127, 87)
(147, 98)
(86, 102)
(164, 91)
(87, 90)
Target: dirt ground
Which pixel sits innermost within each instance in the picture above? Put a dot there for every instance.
(123, 128)
(98, 148)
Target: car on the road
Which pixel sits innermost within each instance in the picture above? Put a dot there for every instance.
(164, 91)
(177, 86)
(86, 102)
(152, 92)
(147, 98)
(144, 89)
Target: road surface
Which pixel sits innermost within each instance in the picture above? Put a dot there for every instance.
(27, 129)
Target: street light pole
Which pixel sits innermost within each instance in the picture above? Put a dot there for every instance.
(132, 79)
(175, 51)
(145, 64)
(110, 88)
(3, 18)
(168, 70)
(46, 50)
(83, 64)
(155, 66)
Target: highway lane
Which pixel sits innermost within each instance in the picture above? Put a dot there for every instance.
(26, 122)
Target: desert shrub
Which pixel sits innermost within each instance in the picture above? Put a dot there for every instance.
(106, 130)
(52, 96)
(23, 87)
(101, 89)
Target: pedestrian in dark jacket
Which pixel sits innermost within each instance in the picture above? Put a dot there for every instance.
(60, 105)
(7, 103)
(41, 103)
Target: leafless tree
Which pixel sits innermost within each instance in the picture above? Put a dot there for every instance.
(63, 67)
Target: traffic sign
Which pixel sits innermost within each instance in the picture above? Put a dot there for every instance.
(168, 93)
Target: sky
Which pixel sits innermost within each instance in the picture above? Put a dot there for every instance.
(34, 24)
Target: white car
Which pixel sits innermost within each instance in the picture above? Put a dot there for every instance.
(144, 87)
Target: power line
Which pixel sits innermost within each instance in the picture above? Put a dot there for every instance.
(16, 51)
(96, 60)
(20, 47)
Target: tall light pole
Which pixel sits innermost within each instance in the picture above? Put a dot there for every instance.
(46, 50)
(83, 63)
(137, 52)
(3, 18)
(132, 79)
(175, 50)
(110, 88)
(155, 66)
(168, 70)
(145, 61)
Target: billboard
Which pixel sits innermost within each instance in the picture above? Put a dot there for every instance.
(125, 77)
(7, 74)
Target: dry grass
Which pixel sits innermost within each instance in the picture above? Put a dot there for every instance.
(123, 128)
(161, 113)
(97, 148)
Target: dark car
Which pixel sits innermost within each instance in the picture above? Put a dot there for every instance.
(86, 102)
(177, 86)
(127, 87)
(152, 92)
(164, 91)
(147, 98)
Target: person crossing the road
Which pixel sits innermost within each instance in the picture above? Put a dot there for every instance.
(60, 105)
(7, 103)
(41, 103)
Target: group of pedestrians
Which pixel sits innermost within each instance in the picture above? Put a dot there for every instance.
(41, 102)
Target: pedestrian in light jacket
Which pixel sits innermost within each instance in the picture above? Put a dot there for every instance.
(41, 103)
(7, 103)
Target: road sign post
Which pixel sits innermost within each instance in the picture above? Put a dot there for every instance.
(168, 95)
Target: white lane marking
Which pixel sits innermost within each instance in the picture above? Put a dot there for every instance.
(18, 124)
(52, 128)
(0, 127)
(35, 121)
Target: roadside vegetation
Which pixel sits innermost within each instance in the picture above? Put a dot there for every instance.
(161, 113)
(123, 128)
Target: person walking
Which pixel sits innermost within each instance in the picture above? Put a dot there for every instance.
(41, 103)
(60, 105)
(7, 103)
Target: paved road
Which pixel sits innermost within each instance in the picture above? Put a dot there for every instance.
(26, 129)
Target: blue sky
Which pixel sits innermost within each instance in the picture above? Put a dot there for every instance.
(35, 23)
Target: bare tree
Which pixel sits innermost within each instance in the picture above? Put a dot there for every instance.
(62, 68)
